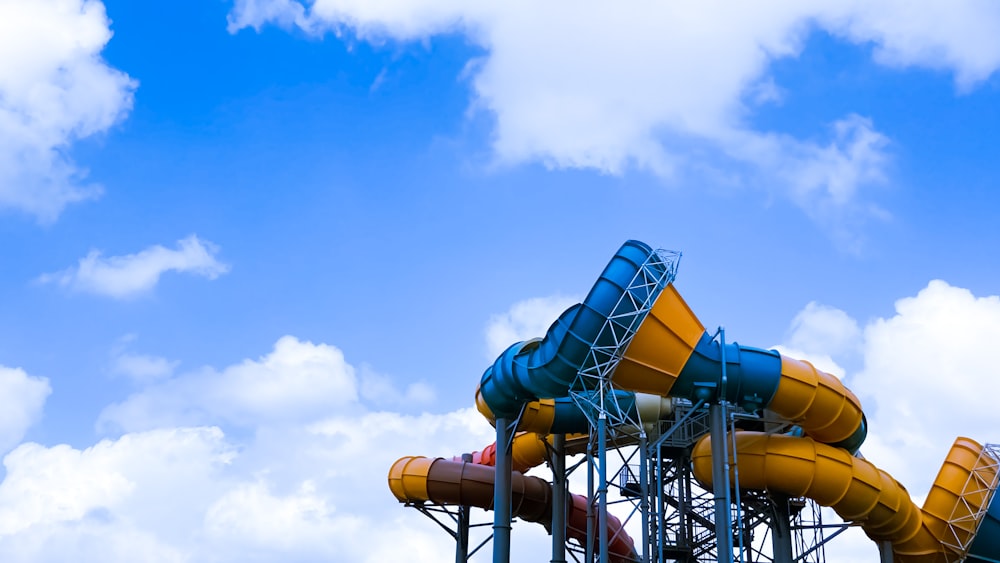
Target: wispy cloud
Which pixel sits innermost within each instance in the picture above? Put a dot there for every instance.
(140, 368)
(128, 276)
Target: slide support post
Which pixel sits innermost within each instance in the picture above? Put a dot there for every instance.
(885, 551)
(602, 491)
(462, 537)
(502, 494)
(723, 515)
(644, 491)
(781, 530)
(559, 498)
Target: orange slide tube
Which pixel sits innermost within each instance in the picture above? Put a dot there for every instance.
(860, 492)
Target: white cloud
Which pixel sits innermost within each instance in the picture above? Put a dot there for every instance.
(959, 37)
(54, 90)
(62, 484)
(524, 320)
(819, 333)
(22, 397)
(669, 86)
(380, 390)
(141, 368)
(286, 463)
(822, 329)
(123, 277)
(297, 381)
(90, 540)
(929, 376)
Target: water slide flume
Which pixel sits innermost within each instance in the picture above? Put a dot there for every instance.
(419, 479)
(860, 492)
(672, 355)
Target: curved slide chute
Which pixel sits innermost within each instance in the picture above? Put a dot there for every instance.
(671, 355)
(419, 479)
(860, 492)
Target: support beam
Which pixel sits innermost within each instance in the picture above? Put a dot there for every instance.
(781, 530)
(602, 491)
(720, 487)
(559, 498)
(885, 551)
(462, 534)
(501, 494)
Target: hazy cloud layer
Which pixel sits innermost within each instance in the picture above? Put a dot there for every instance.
(131, 275)
(54, 90)
(670, 87)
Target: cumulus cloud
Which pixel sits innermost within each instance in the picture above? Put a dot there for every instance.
(819, 333)
(285, 460)
(296, 381)
(668, 87)
(929, 376)
(54, 90)
(524, 320)
(380, 390)
(23, 397)
(131, 275)
(62, 484)
(960, 37)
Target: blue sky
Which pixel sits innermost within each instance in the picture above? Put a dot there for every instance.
(279, 238)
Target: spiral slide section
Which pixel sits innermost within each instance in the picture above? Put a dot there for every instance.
(419, 479)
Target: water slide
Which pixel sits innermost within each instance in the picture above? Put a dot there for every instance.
(671, 355)
(454, 482)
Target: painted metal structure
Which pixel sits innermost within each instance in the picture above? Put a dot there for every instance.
(757, 429)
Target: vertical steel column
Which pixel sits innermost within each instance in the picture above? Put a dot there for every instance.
(885, 551)
(590, 502)
(559, 498)
(462, 535)
(684, 521)
(644, 493)
(502, 494)
(602, 491)
(720, 487)
(661, 518)
(781, 530)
